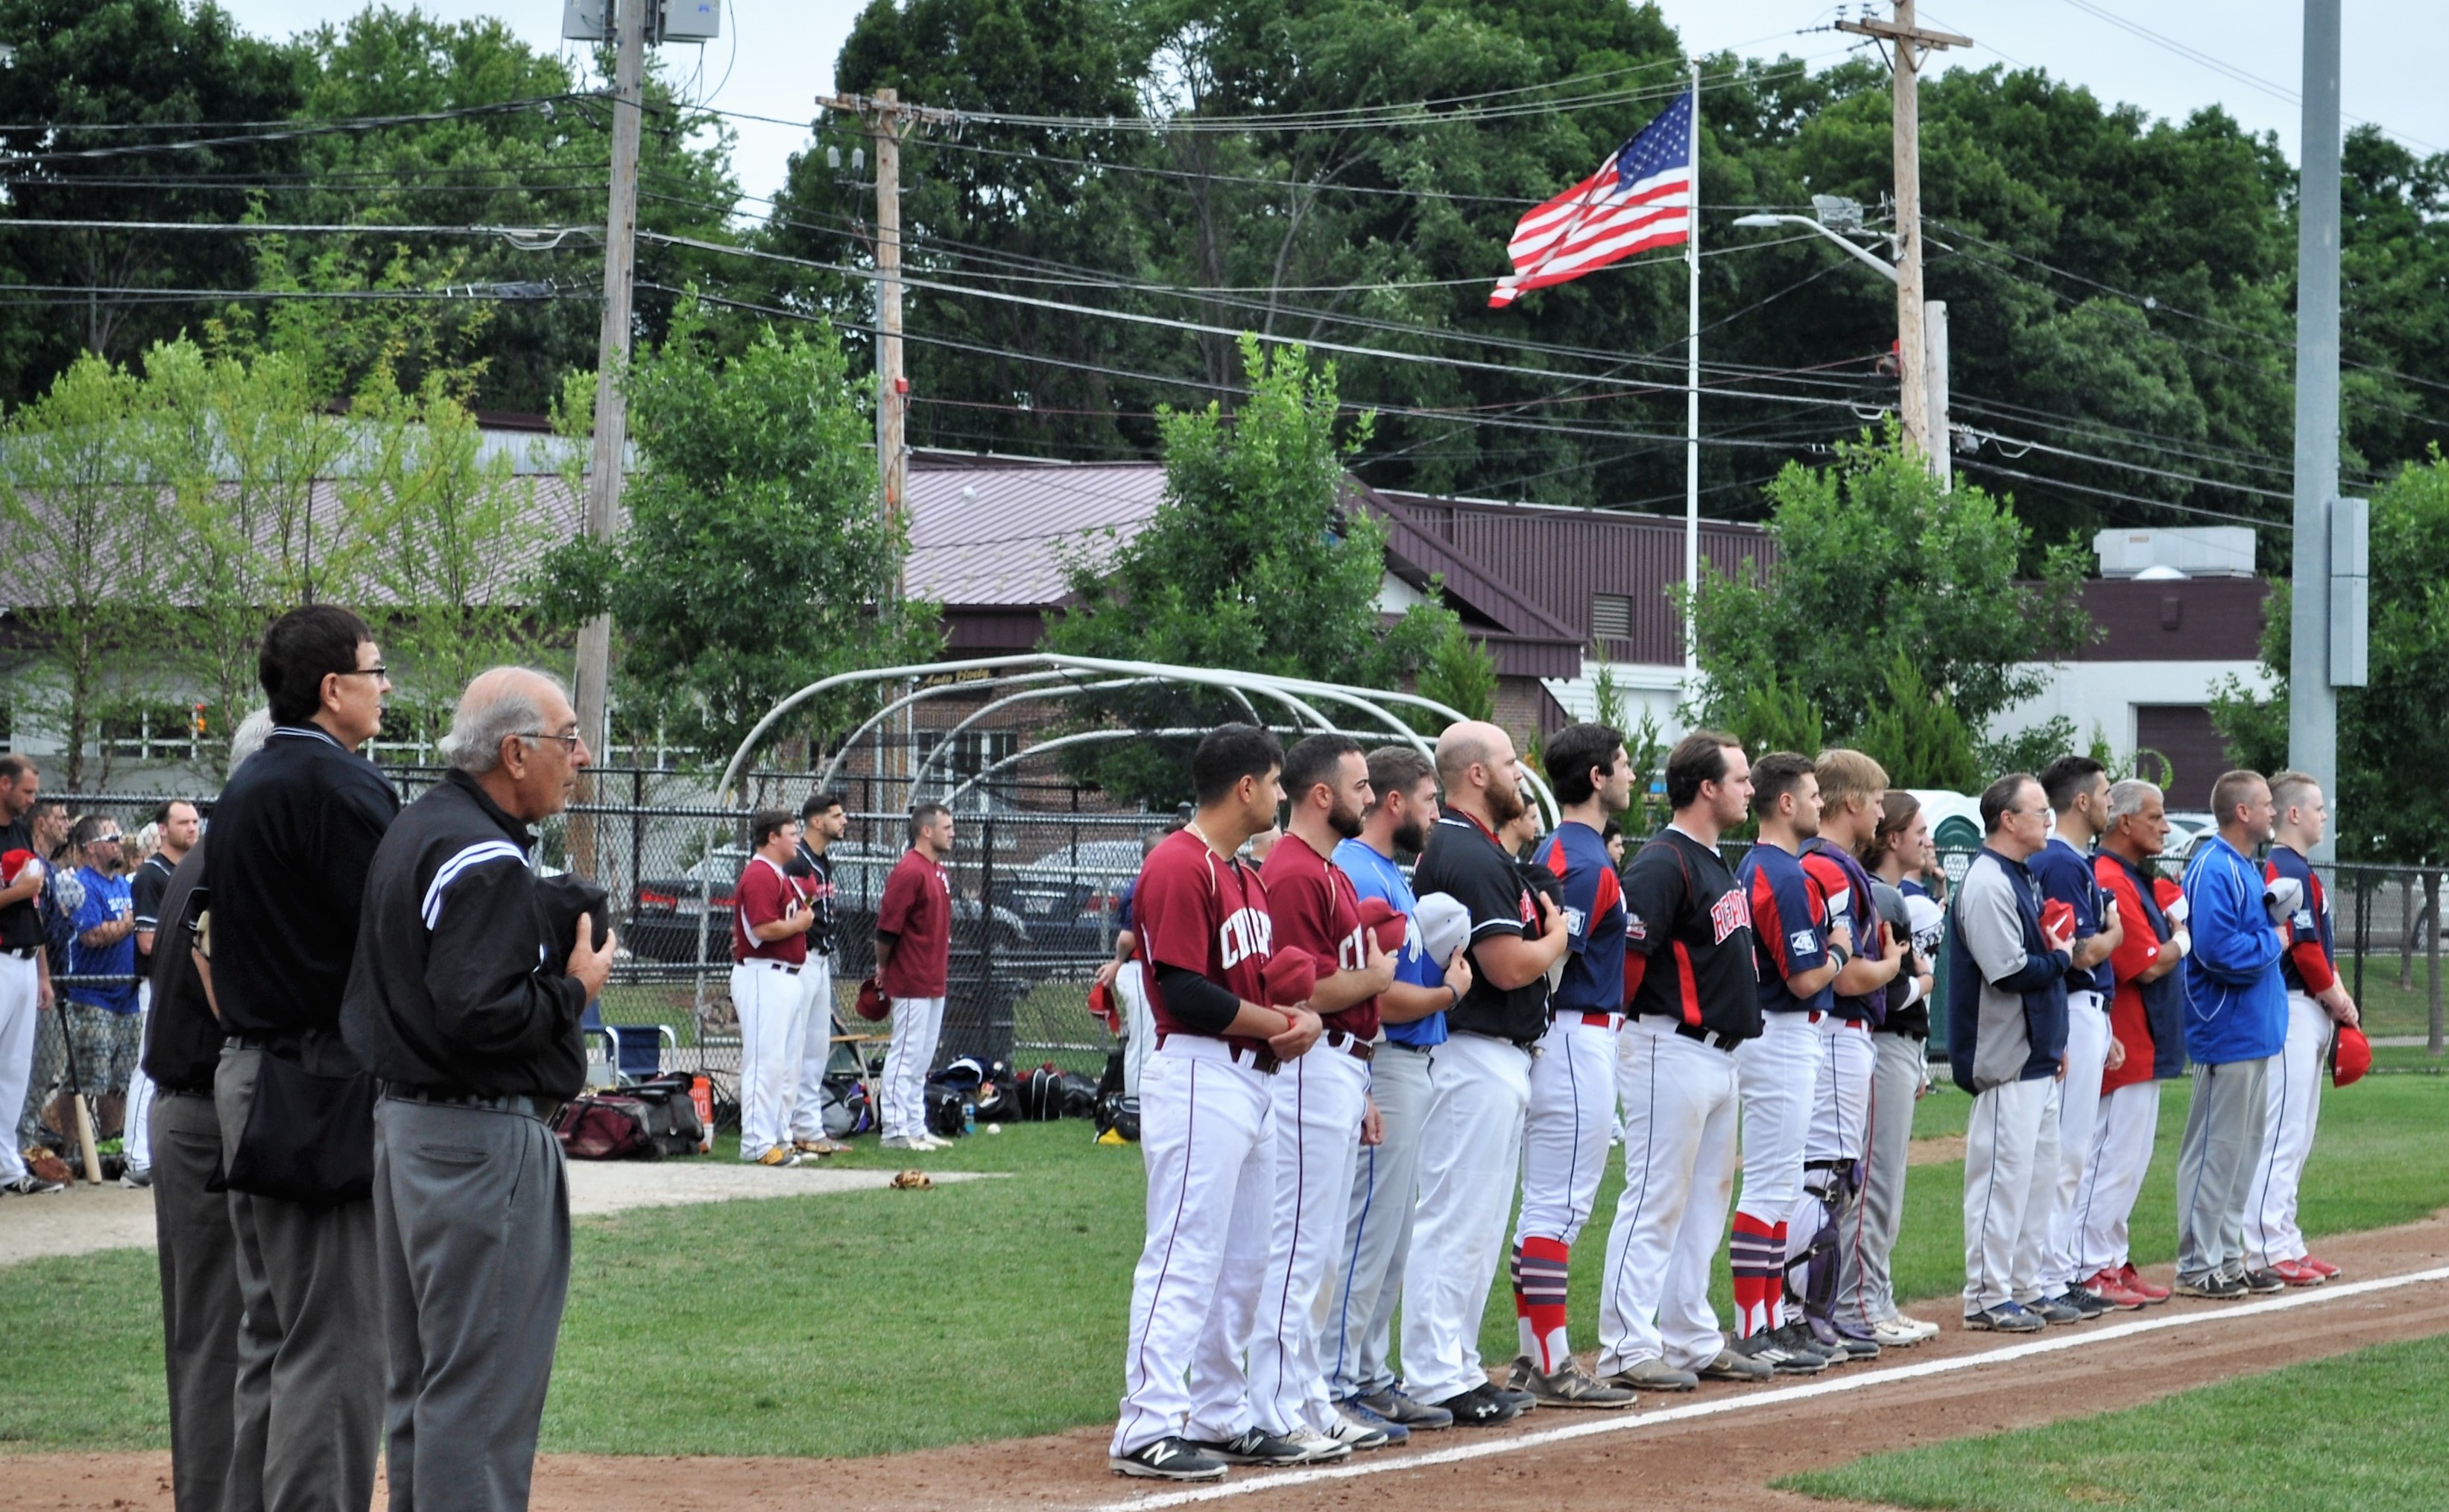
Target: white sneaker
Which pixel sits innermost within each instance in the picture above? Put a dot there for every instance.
(1895, 1333)
(1317, 1448)
(1353, 1434)
(902, 1141)
(1920, 1330)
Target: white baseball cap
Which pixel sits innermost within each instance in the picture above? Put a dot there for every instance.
(1444, 925)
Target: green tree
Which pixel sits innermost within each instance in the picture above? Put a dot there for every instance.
(2390, 806)
(1917, 734)
(1251, 562)
(1876, 562)
(755, 560)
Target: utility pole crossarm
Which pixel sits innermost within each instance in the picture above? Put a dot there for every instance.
(1890, 32)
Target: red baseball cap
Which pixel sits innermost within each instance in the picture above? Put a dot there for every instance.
(1101, 1002)
(2350, 1056)
(1291, 976)
(1379, 917)
(12, 864)
(2057, 916)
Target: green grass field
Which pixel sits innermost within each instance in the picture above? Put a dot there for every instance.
(2359, 1430)
(878, 1321)
(2388, 1009)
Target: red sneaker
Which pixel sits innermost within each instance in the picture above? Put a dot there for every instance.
(2296, 1272)
(2111, 1288)
(2329, 1271)
(2132, 1281)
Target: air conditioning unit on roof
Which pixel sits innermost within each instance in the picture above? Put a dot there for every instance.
(2194, 551)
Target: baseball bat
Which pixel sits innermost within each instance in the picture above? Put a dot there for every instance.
(76, 1096)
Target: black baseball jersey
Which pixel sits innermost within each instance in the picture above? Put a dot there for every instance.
(145, 888)
(1688, 938)
(815, 875)
(1465, 862)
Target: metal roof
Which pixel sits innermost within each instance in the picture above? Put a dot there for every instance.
(995, 533)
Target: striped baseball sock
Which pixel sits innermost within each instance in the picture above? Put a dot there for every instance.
(1539, 1268)
(1758, 1260)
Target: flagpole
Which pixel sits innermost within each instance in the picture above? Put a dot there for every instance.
(1693, 406)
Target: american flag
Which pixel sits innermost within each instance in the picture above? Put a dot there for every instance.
(1641, 198)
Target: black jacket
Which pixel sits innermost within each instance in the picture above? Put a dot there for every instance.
(182, 1040)
(293, 835)
(459, 981)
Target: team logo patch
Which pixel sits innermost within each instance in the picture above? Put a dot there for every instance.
(1574, 921)
(1635, 926)
(2304, 918)
(1801, 942)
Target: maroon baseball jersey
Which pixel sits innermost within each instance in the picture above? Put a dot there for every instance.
(917, 912)
(1315, 910)
(1198, 910)
(763, 895)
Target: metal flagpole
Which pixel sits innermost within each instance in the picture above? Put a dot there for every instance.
(1692, 402)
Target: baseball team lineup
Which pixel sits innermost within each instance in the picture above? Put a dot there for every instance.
(1347, 1074)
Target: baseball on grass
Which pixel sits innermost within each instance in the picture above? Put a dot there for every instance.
(995, 1128)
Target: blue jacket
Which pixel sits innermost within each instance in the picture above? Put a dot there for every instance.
(2006, 988)
(2236, 1003)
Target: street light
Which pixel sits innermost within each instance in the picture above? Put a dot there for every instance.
(1833, 214)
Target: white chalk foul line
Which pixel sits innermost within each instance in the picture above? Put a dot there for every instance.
(1853, 1379)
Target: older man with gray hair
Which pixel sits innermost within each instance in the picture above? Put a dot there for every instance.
(465, 1000)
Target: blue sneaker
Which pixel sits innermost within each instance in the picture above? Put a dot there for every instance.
(2007, 1317)
(1368, 1422)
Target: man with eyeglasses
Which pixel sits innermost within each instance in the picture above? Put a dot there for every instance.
(101, 1008)
(2007, 960)
(464, 1001)
(293, 836)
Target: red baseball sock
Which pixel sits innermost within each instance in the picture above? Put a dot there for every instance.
(1758, 1260)
(1539, 1270)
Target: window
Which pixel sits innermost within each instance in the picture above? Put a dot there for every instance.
(968, 755)
(152, 731)
(1611, 616)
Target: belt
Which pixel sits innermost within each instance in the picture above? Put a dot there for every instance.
(1262, 1059)
(1711, 1038)
(784, 967)
(161, 1091)
(541, 1109)
(1351, 1044)
(1843, 1020)
(1406, 1044)
(1598, 1021)
(23, 953)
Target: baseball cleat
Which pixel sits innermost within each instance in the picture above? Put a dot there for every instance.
(1355, 1412)
(30, 1185)
(1255, 1445)
(2265, 1281)
(779, 1155)
(2055, 1309)
(1653, 1374)
(1899, 1333)
(2215, 1288)
(2296, 1272)
(1835, 1343)
(1356, 1435)
(1393, 1406)
(1480, 1409)
(1319, 1448)
(2133, 1281)
(1795, 1339)
(136, 1177)
(1569, 1387)
(2007, 1317)
(1764, 1348)
(2329, 1271)
(1730, 1365)
(1166, 1459)
(2111, 1288)
(2091, 1304)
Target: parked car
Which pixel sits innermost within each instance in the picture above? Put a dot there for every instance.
(1068, 896)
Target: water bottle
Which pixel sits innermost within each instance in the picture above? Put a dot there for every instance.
(969, 1116)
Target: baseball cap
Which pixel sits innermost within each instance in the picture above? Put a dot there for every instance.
(1389, 927)
(1291, 977)
(1445, 926)
(2350, 1056)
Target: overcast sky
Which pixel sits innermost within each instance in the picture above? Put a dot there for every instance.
(778, 55)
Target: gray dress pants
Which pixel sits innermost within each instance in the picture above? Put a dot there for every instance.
(199, 1297)
(306, 1413)
(2216, 1163)
(471, 1214)
(1866, 1233)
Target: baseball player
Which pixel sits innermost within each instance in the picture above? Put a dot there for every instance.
(1691, 998)
(2147, 1019)
(2078, 795)
(2316, 999)
(822, 821)
(1572, 1079)
(1852, 787)
(1322, 1112)
(1206, 1128)
(1479, 1078)
(1386, 1180)
(1801, 950)
(769, 951)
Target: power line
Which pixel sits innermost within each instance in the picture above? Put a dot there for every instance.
(522, 238)
(1979, 464)
(295, 133)
(494, 293)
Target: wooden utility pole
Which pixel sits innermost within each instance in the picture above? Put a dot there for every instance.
(1906, 42)
(611, 355)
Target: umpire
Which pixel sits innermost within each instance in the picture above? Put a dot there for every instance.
(464, 1001)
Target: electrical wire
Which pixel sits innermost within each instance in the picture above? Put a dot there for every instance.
(296, 131)
(1979, 465)
(522, 238)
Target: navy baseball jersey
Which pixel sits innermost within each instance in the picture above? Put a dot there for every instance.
(1842, 881)
(2310, 964)
(1789, 927)
(1593, 979)
(2065, 875)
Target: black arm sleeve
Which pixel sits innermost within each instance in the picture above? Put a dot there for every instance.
(1196, 1003)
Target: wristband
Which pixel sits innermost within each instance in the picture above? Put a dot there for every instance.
(1839, 954)
(1453, 996)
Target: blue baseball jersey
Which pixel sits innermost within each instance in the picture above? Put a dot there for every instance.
(1594, 917)
(1374, 876)
(2311, 962)
(1789, 927)
(2065, 875)
(105, 900)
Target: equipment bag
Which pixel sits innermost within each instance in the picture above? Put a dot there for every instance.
(671, 1113)
(611, 1126)
(1037, 1094)
(947, 1111)
(846, 1108)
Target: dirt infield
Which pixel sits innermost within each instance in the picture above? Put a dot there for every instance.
(1711, 1450)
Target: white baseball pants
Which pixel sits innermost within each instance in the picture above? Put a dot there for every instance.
(2011, 1165)
(1320, 1099)
(1471, 1153)
(21, 985)
(136, 1137)
(1139, 1024)
(918, 1024)
(1866, 1236)
(816, 1047)
(2271, 1234)
(1377, 1229)
(771, 1029)
(1778, 1075)
(1841, 1090)
(1207, 1136)
(2122, 1137)
(2087, 1055)
(1680, 1112)
(1565, 1131)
